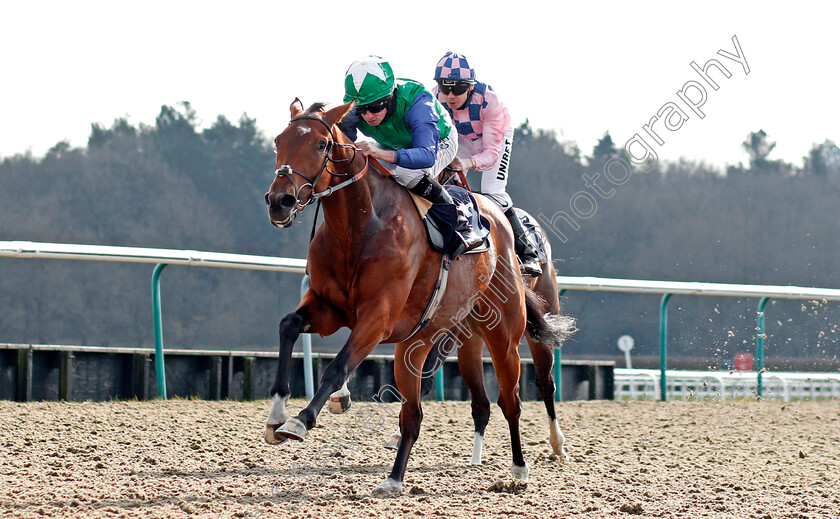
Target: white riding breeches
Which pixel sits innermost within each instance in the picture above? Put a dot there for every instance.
(494, 180)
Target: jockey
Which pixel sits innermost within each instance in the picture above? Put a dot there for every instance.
(485, 136)
(413, 133)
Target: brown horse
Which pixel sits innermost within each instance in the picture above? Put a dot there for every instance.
(372, 270)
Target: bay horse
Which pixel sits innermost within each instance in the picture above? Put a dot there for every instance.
(372, 270)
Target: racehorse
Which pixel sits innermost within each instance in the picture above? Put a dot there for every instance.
(372, 270)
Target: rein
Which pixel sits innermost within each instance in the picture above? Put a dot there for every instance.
(378, 165)
(288, 171)
(451, 179)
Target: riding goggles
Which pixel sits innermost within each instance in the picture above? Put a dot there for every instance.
(456, 87)
(374, 107)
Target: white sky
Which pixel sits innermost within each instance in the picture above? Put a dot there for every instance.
(580, 68)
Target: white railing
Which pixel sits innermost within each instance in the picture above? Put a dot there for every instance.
(670, 288)
(644, 384)
(192, 258)
(163, 257)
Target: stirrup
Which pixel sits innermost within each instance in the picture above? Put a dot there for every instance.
(530, 266)
(469, 240)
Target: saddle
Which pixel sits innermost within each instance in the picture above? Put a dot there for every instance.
(441, 231)
(444, 239)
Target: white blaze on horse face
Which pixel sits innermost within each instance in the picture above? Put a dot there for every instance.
(278, 411)
(303, 130)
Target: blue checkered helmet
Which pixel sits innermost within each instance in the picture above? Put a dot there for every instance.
(454, 67)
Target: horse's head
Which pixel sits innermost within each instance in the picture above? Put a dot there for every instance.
(306, 150)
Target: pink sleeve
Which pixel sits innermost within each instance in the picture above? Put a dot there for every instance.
(495, 120)
(437, 95)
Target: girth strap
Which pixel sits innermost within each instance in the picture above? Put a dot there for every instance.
(436, 299)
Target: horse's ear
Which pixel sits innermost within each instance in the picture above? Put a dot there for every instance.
(335, 115)
(296, 108)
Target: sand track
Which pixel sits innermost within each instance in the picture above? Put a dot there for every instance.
(207, 459)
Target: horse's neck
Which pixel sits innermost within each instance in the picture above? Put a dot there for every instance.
(349, 212)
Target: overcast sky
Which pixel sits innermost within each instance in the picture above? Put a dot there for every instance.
(579, 68)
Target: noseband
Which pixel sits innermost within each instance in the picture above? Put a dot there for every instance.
(288, 171)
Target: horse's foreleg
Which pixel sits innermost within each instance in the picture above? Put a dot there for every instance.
(434, 361)
(290, 328)
(363, 339)
(334, 376)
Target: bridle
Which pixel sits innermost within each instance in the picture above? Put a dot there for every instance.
(289, 172)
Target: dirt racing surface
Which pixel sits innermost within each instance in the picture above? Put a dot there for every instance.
(208, 459)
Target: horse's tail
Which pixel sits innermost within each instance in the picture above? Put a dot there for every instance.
(543, 326)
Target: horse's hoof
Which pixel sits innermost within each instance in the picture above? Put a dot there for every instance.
(559, 452)
(393, 442)
(340, 405)
(520, 473)
(388, 488)
(271, 437)
(293, 429)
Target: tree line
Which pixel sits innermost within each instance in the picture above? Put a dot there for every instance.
(172, 184)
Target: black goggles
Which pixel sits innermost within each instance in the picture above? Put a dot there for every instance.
(374, 107)
(455, 87)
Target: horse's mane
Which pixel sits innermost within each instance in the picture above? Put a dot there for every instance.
(349, 120)
(316, 107)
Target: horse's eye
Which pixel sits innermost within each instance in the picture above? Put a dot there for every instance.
(322, 145)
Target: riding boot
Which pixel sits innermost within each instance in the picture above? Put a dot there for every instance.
(529, 260)
(432, 191)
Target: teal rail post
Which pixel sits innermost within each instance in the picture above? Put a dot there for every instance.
(663, 346)
(558, 368)
(159, 366)
(759, 342)
(439, 383)
(306, 340)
